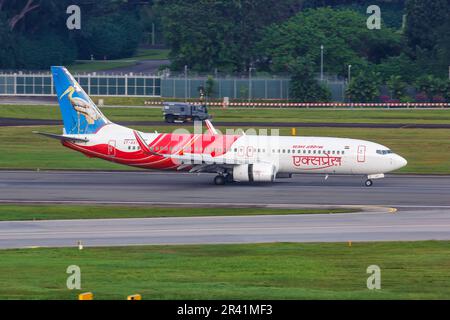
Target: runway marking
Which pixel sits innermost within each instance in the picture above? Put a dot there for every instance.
(112, 231)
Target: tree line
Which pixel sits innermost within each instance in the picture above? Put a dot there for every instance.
(411, 48)
(34, 35)
(285, 36)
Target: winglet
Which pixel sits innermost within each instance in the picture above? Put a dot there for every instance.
(211, 128)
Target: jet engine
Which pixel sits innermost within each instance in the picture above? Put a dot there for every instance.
(257, 172)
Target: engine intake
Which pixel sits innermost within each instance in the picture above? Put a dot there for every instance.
(257, 172)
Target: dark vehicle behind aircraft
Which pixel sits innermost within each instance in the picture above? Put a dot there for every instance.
(182, 112)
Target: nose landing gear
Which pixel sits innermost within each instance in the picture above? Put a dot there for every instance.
(371, 177)
(368, 183)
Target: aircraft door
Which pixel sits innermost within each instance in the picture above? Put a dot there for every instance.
(361, 153)
(112, 148)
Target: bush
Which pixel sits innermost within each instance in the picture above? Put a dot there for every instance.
(421, 97)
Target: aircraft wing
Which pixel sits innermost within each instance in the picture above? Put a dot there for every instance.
(61, 137)
(191, 158)
(204, 158)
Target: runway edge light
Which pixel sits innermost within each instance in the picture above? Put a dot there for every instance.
(134, 297)
(86, 296)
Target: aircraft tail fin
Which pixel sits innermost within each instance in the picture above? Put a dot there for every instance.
(79, 113)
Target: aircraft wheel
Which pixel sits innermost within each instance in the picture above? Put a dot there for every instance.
(219, 180)
(229, 178)
(368, 183)
(170, 118)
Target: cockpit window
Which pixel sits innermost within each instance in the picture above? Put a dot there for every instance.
(384, 151)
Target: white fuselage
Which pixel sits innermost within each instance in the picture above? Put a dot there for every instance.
(288, 154)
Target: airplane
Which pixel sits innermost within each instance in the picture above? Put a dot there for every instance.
(233, 157)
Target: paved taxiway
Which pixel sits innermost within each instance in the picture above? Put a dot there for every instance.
(417, 225)
(423, 203)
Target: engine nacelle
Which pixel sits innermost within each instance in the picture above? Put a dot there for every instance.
(257, 172)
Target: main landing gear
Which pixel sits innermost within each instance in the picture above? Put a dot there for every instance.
(219, 180)
(222, 179)
(368, 183)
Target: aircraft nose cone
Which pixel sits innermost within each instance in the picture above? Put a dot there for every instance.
(402, 162)
(399, 162)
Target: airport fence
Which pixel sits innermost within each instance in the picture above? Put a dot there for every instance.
(37, 84)
(41, 84)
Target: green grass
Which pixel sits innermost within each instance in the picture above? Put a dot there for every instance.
(244, 115)
(60, 212)
(330, 115)
(427, 151)
(409, 270)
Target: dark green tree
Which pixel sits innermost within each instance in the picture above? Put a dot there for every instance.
(303, 85)
(365, 87)
(111, 36)
(424, 21)
(210, 86)
(343, 33)
(397, 87)
(432, 86)
(427, 34)
(205, 34)
(7, 59)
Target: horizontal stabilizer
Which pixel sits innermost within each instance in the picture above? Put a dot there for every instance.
(60, 137)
